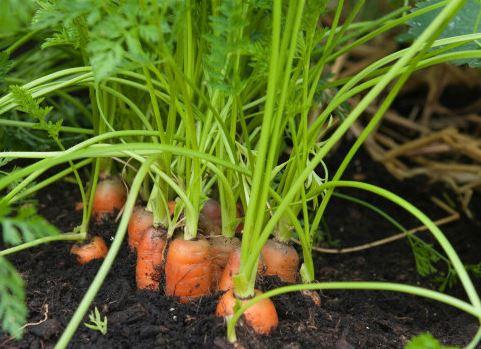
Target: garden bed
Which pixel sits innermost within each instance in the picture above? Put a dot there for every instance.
(346, 319)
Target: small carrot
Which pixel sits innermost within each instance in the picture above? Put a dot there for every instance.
(210, 219)
(150, 255)
(95, 249)
(261, 317)
(79, 205)
(139, 222)
(280, 260)
(188, 269)
(110, 195)
(220, 250)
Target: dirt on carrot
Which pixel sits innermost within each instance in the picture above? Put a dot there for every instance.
(150, 255)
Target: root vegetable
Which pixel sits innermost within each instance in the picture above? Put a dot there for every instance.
(95, 249)
(261, 317)
(110, 195)
(280, 260)
(188, 269)
(139, 222)
(150, 255)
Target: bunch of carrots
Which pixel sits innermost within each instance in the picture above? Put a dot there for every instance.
(209, 122)
(192, 268)
(191, 231)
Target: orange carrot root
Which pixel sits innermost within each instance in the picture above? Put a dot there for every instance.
(210, 220)
(95, 249)
(139, 222)
(220, 250)
(188, 269)
(150, 255)
(171, 205)
(110, 195)
(280, 260)
(226, 281)
(79, 205)
(261, 317)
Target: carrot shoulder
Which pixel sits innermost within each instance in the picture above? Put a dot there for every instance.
(110, 195)
(188, 269)
(280, 260)
(139, 222)
(210, 219)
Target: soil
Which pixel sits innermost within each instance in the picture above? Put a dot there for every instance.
(345, 320)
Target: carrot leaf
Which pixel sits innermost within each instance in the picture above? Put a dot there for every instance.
(13, 311)
(29, 105)
(23, 225)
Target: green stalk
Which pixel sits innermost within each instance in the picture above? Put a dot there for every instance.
(26, 124)
(106, 150)
(20, 191)
(244, 287)
(44, 240)
(442, 240)
(354, 285)
(418, 44)
(109, 259)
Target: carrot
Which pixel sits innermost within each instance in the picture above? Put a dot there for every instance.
(95, 249)
(280, 260)
(261, 317)
(139, 222)
(79, 205)
(210, 220)
(240, 215)
(150, 255)
(171, 205)
(109, 196)
(220, 249)
(188, 269)
(226, 281)
(232, 267)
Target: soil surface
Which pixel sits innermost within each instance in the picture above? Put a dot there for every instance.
(345, 320)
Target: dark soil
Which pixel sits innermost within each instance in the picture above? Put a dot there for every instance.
(346, 319)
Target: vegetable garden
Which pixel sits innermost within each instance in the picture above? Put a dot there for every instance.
(192, 174)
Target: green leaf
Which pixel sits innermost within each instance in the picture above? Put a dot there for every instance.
(27, 104)
(14, 17)
(466, 21)
(5, 65)
(426, 341)
(13, 312)
(25, 226)
(425, 256)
